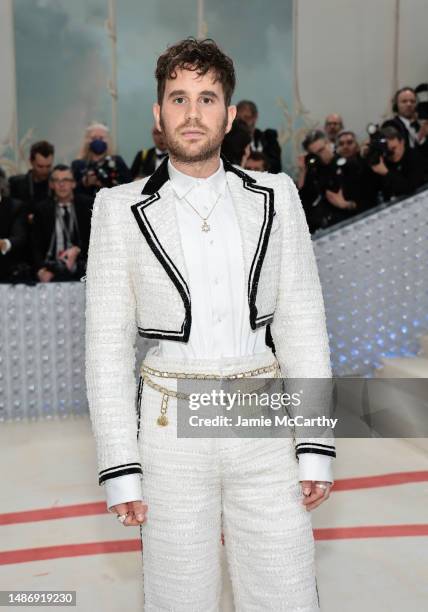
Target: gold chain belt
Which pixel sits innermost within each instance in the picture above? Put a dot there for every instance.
(162, 419)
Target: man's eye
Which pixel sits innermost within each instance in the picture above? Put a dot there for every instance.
(207, 100)
(179, 100)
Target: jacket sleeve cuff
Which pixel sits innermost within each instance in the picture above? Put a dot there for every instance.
(123, 489)
(313, 466)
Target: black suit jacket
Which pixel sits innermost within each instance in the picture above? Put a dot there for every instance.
(44, 224)
(144, 163)
(23, 188)
(269, 142)
(13, 226)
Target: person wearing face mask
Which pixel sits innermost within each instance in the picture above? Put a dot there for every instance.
(96, 166)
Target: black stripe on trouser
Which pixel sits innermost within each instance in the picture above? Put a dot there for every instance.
(139, 396)
(318, 595)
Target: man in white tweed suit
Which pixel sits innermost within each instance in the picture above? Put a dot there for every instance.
(205, 257)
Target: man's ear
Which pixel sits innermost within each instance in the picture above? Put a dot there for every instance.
(231, 114)
(156, 115)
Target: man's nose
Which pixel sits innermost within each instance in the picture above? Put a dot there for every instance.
(192, 110)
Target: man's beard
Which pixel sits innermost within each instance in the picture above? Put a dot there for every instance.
(208, 150)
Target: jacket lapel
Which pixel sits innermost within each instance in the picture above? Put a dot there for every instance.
(254, 205)
(156, 216)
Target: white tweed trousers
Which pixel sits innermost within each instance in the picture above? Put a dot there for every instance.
(196, 487)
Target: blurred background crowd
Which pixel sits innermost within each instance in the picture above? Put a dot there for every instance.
(45, 214)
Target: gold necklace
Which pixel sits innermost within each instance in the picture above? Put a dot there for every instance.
(205, 226)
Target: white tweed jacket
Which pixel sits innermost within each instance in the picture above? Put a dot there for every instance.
(136, 281)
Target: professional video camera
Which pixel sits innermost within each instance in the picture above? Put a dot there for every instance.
(105, 170)
(378, 146)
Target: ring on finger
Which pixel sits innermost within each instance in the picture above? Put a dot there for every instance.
(122, 517)
(321, 485)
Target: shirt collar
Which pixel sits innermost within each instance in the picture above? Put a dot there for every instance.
(183, 183)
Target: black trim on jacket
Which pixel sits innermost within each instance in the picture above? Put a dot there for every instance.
(151, 189)
(120, 470)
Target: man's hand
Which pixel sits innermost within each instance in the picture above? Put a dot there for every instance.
(423, 132)
(137, 512)
(69, 256)
(313, 495)
(380, 168)
(45, 275)
(337, 199)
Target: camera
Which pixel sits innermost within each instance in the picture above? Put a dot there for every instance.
(324, 177)
(378, 146)
(105, 170)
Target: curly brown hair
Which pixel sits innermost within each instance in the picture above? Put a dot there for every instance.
(198, 55)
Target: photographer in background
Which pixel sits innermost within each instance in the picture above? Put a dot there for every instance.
(61, 227)
(412, 127)
(96, 166)
(13, 236)
(329, 186)
(333, 124)
(347, 146)
(395, 170)
(33, 186)
(262, 141)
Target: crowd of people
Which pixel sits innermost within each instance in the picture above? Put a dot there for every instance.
(45, 214)
(339, 177)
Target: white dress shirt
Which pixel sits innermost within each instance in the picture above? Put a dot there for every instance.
(160, 156)
(220, 327)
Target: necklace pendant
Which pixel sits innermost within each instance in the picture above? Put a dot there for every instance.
(205, 226)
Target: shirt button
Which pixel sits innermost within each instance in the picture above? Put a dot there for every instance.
(216, 281)
(211, 241)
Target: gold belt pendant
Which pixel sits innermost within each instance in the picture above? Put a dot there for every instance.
(162, 419)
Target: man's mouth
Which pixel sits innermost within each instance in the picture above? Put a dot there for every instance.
(192, 134)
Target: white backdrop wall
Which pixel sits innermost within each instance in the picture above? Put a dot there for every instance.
(8, 142)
